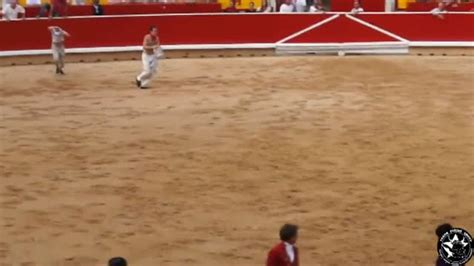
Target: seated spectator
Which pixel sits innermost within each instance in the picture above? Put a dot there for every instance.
(58, 8)
(252, 8)
(300, 5)
(118, 261)
(451, 3)
(285, 253)
(97, 9)
(438, 11)
(357, 8)
(268, 9)
(231, 8)
(287, 7)
(44, 10)
(269, 5)
(316, 8)
(13, 11)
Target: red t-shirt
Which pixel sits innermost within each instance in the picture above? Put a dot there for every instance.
(278, 257)
(231, 9)
(59, 7)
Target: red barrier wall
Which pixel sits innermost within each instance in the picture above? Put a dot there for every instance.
(347, 31)
(230, 29)
(137, 9)
(129, 31)
(426, 27)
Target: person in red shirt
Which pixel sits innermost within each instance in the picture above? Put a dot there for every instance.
(58, 8)
(285, 253)
(231, 8)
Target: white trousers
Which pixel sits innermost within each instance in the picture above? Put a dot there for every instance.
(150, 65)
(58, 54)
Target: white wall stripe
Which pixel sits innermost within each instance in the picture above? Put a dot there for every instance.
(442, 44)
(343, 44)
(228, 46)
(314, 26)
(139, 49)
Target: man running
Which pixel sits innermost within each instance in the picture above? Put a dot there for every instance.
(151, 52)
(57, 46)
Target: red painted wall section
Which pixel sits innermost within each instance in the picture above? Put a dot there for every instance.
(368, 5)
(342, 30)
(232, 29)
(136, 9)
(129, 31)
(426, 27)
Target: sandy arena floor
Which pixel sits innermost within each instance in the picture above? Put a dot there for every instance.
(366, 154)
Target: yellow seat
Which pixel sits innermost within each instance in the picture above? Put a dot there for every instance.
(244, 4)
(403, 4)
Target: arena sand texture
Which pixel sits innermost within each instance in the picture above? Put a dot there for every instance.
(366, 154)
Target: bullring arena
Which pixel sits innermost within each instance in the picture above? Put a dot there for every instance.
(239, 133)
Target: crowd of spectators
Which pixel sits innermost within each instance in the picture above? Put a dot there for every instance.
(316, 6)
(11, 10)
(290, 6)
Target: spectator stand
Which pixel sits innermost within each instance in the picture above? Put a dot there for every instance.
(137, 8)
(424, 7)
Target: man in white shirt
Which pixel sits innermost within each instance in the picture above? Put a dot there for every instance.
(57, 47)
(151, 52)
(316, 8)
(438, 12)
(357, 8)
(13, 11)
(5, 4)
(270, 5)
(287, 7)
(300, 5)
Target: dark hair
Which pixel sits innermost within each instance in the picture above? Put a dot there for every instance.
(443, 228)
(288, 231)
(117, 261)
(152, 28)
